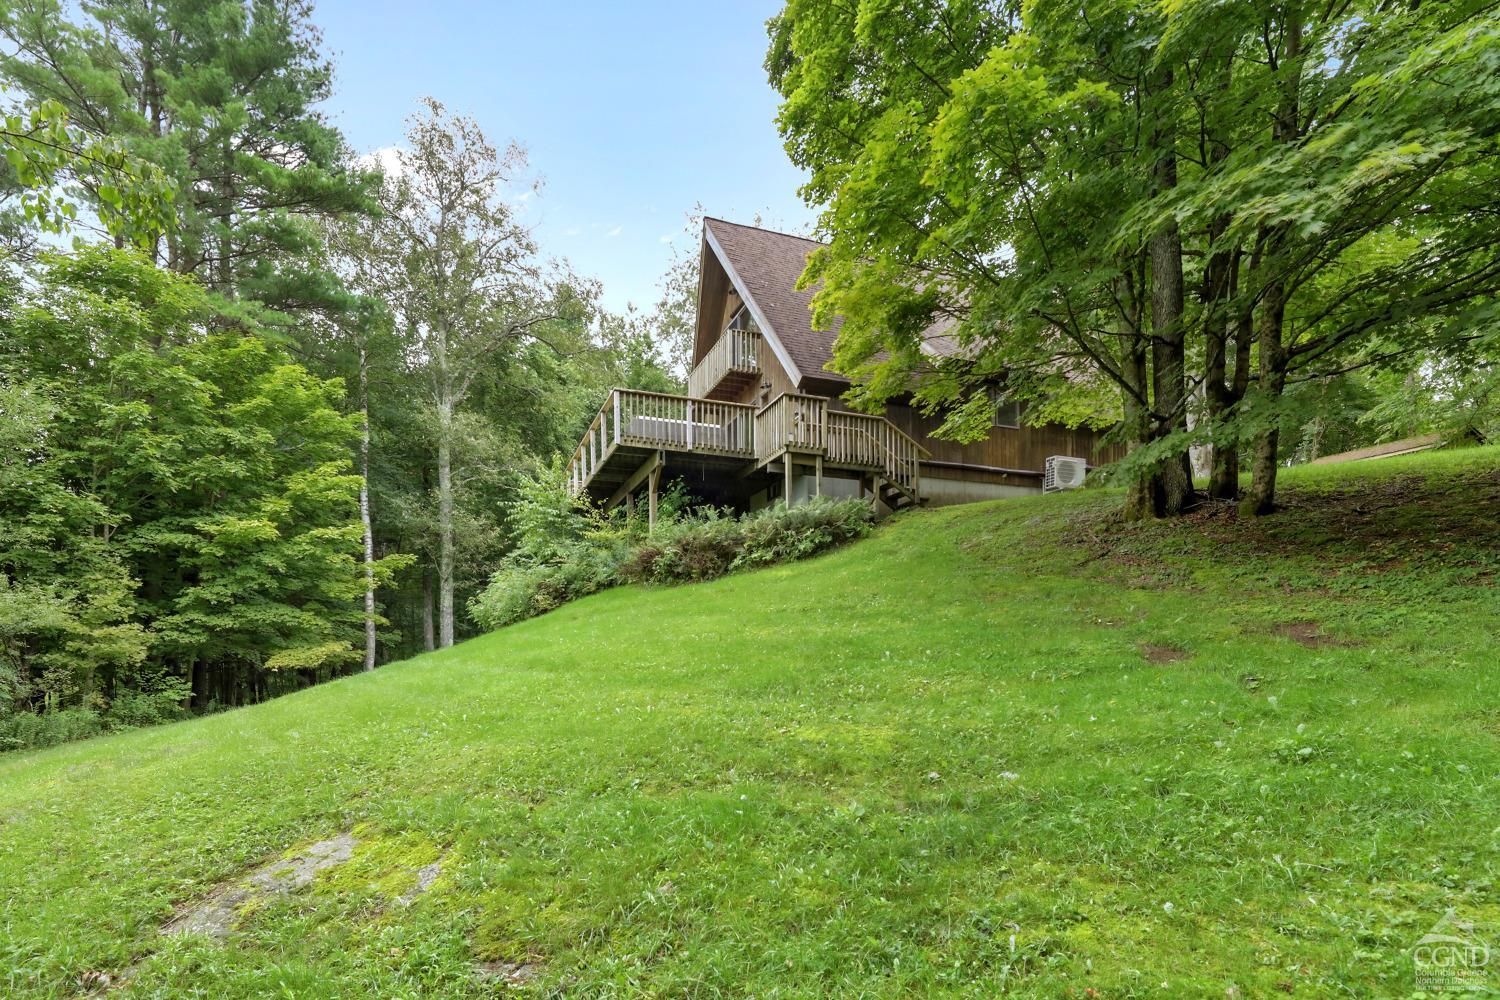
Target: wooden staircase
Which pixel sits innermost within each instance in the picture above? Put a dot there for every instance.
(896, 496)
(806, 426)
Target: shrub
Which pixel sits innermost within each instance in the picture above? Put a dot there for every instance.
(159, 702)
(780, 534)
(158, 699)
(709, 546)
(24, 730)
(519, 591)
(698, 549)
(565, 549)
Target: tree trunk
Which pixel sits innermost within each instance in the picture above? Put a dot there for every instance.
(428, 635)
(364, 508)
(1133, 398)
(1261, 499)
(442, 385)
(1173, 482)
(1225, 478)
(199, 679)
(1218, 329)
(224, 271)
(445, 523)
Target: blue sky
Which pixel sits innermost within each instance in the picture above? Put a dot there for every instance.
(632, 112)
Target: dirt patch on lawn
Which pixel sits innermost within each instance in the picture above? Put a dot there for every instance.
(513, 973)
(1307, 634)
(1156, 652)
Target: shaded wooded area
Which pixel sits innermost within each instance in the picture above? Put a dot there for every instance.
(265, 426)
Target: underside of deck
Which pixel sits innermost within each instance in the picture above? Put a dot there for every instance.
(719, 479)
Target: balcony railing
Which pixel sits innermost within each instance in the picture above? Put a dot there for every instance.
(792, 422)
(657, 420)
(734, 351)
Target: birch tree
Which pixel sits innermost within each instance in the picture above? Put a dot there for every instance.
(467, 288)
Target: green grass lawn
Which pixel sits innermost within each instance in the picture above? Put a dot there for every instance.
(1002, 747)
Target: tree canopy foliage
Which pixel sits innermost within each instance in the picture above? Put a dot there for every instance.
(199, 517)
(275, 405)
(1189, 205)
(221, 96)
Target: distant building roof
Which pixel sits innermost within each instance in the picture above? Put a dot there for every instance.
(1391, 448)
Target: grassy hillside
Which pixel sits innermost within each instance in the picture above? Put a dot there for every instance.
(1007, 746)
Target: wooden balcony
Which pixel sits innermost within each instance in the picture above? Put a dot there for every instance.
(806, 425)
(633, 424)
(730, 365)
(636, 435)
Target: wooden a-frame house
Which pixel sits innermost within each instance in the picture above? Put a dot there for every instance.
(763, 420)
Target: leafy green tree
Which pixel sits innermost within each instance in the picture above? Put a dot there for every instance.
(971, 170)
(1273, 192)
(213, 469)
(478, 310)
(68, 632)
(635, 355)
(45, 154)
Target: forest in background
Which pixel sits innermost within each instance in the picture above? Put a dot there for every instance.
(264, 407)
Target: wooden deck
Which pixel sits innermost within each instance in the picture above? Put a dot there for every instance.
(636, 434)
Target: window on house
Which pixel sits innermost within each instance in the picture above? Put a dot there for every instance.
(742, 320)
(1007, 412)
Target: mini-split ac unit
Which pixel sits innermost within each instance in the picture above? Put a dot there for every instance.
(1063, 473)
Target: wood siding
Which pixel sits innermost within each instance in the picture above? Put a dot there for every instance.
(1024, 448)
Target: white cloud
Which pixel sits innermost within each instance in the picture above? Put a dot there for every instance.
(615, 232)
(387, 158)
(666, 237)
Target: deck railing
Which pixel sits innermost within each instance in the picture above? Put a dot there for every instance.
(734, 351)
(863, 439)
(658, 420)
(791, 422)
(801, 423)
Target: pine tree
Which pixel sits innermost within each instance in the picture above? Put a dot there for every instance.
(221, 95)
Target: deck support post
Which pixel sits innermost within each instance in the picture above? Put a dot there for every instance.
(786, 489)
(653, 480)
(633, 482)
(818, 476)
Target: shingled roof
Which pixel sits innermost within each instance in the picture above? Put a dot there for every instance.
(766, 266)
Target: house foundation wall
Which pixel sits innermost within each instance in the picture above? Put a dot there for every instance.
(941, 491)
